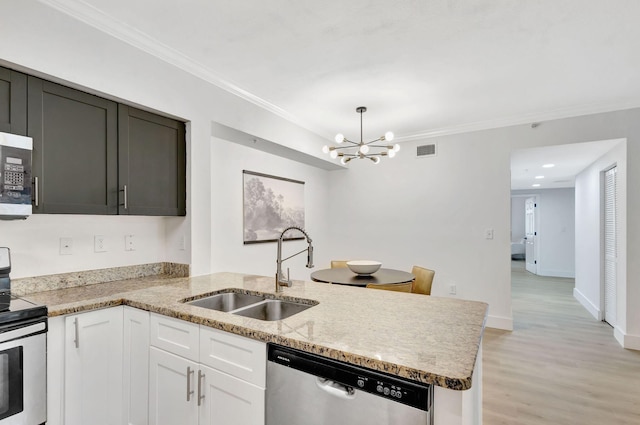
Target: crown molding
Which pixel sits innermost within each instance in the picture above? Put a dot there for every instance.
(89, 15)
(95, 18)
(520, 120)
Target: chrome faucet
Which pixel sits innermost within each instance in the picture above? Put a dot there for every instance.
(280, 280)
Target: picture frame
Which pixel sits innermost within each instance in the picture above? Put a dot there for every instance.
(270, 205)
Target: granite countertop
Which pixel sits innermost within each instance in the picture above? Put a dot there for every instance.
(423, 338)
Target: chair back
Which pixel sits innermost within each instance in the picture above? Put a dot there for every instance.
(423, 280)
(336, 264)
(398, 287)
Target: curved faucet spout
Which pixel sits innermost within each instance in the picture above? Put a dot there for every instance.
(280, 280)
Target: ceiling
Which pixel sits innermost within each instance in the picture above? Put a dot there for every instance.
(568, 160)
(423, 68)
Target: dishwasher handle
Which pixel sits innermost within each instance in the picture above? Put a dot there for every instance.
(336, 389)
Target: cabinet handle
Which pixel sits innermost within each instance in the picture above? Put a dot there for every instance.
(125, 197)
(200, 391)
(36, 200)
(77, 339)
(189, 391)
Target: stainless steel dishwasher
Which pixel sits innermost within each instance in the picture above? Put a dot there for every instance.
(307, 389)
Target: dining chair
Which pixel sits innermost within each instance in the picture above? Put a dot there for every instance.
(336, 264)
(422, 282)
(398, 287)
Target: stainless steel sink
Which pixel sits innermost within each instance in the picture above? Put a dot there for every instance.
(272, 310)
(251, 305)
(227, 301)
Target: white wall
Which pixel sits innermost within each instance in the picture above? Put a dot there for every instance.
(517, 218)
(589, 198)
(555, 216)
(64, 50)
(432, 212)
(228, 252)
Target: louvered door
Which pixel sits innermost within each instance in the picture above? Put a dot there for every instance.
(610, 245)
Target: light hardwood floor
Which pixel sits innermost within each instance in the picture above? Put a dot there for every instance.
(559, 365)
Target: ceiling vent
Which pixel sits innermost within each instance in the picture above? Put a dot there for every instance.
(426, 150)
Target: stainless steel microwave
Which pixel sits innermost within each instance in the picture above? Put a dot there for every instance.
(15, 176)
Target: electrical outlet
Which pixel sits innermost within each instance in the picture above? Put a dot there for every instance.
(183, 243)
(488, 233)
(129, 243)
(99, 244)
(452, 289)
(66, 246)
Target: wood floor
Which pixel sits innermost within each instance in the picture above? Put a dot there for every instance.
(559, 365)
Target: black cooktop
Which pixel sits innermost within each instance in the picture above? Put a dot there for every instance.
(14, 309)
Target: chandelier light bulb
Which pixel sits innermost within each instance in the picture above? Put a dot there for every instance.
(376, 159)
(325, 149)
(339, 138)
(333, 154)
(392, 153)
(388, 136)
(344, 160)
(396, 147)
(364, 149)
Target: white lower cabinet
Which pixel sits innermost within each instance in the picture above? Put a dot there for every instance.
(93, 368)
(189, 391)
(135, 399)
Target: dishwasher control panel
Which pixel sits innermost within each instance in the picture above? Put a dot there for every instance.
(354, 377)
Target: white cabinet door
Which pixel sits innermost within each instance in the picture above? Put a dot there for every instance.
(228, 400)
(136, 367)
(93, 368)
(172, 389)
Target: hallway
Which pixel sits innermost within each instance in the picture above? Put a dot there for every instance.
(559, 365)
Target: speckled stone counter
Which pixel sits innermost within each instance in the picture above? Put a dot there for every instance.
(426, 339)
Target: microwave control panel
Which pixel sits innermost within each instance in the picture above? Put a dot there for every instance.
(15, 175)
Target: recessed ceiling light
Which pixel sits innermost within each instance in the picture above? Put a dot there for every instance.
(548, 165)
(539, 177)
(536, 185)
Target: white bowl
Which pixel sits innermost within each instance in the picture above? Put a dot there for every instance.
(364, 266)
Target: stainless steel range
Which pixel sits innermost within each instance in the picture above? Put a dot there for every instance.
(23, 355)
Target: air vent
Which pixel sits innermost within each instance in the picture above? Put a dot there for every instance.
(426, 150)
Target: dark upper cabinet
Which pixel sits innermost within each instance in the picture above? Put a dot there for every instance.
(75, 150)
(13, 102)
(152, 163)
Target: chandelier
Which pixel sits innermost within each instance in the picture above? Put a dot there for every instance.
(362, 150)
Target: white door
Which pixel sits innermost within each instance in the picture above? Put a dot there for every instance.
(610, 245)
(172, 389)
(93, 368)
(531, 235)
(228, 400)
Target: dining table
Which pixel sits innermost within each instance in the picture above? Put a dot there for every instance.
(344, 276)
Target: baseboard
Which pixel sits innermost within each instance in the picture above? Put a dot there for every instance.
(587, 304)
(498, 322)
(631, 342)
(556, 273)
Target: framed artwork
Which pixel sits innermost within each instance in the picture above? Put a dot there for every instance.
(270, 205)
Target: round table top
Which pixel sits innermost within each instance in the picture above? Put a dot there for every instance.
(344, 276)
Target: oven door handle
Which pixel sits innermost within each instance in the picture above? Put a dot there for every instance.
(21, 332)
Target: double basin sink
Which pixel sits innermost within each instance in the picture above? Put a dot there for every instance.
(255, 306)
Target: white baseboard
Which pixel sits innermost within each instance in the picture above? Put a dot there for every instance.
(556, 273)
(586, 303)
(631, 342)
(498, 322)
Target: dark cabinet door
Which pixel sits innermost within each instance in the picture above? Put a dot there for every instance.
(152, 163)
(75, 150)
(13, 102)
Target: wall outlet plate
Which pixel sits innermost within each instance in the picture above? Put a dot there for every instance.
(99, 244)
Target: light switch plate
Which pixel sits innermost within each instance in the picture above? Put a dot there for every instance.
(66, 246)
(129, 243)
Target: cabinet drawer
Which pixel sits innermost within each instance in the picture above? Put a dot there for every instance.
(236, 355)
(175, 336)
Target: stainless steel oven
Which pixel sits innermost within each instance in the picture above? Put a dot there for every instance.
(23, 355)
(23, 360)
